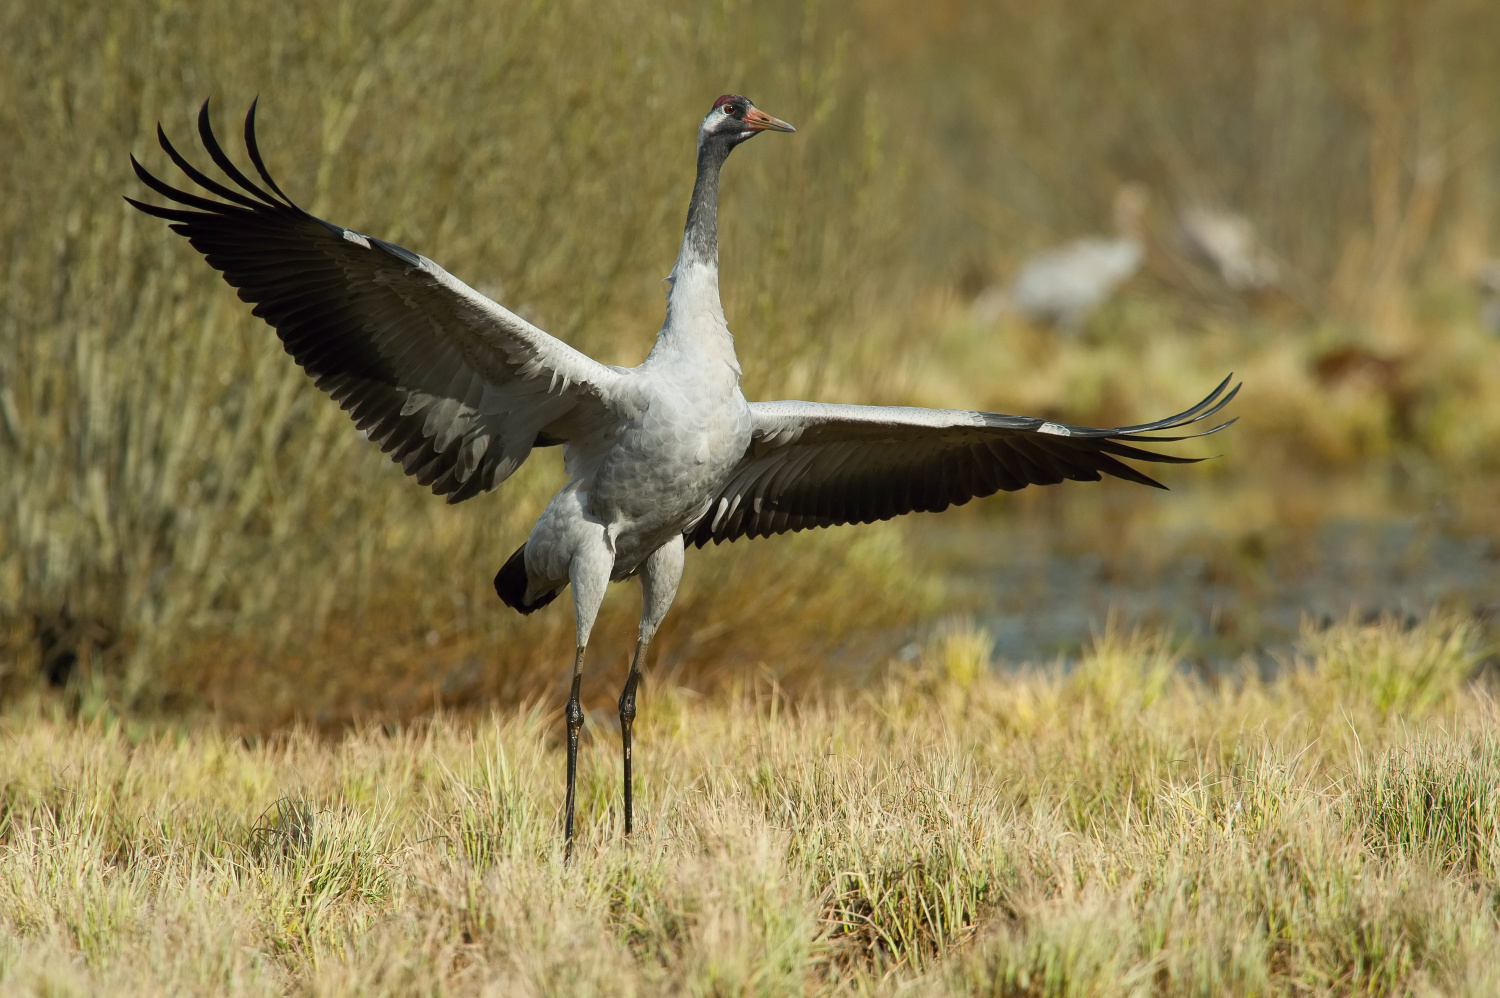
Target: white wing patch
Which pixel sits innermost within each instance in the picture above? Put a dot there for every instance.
(356, 238)
(1055, 430)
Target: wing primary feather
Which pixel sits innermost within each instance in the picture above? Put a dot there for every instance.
(1210, 405)
(1212, 410)
(1136, 453)
(200, 178)
(1191, 414)
(253, 148)
(1187, 415)
(1119, 469)
(217, 154)
(166, 190)
(174, 215)
(1148, 438)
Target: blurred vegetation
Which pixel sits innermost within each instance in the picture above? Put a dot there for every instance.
(185, 521)
(1121, 828)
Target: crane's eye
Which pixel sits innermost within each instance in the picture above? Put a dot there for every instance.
(732, 110)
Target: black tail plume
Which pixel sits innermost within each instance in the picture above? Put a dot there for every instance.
(511, 583)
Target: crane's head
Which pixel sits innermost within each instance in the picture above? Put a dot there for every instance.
(733, 119)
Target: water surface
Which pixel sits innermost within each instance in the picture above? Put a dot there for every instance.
(1231, 574)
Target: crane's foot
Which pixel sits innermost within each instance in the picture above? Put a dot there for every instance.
(574, 716)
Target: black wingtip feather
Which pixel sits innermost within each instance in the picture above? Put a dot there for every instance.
(253, 148)
(221, 158)
(200, 178)
(173, 215)
(511, 583)
(1215, 399)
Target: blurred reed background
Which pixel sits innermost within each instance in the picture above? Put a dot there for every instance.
(186, 523)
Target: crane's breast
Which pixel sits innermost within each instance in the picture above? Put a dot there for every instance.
(669, 463)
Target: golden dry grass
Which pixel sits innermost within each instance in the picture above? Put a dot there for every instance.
(1116, 829)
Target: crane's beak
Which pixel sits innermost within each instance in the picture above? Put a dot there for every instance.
(757, 120)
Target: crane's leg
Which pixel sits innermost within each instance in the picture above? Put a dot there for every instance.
(659, 577)
(588, 571)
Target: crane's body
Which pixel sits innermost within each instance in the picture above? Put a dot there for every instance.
(681, 425)
(460, 390)
(1062, 287)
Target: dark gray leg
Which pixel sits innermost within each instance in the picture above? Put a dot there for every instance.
(588, 571)
(574, 715)
(659, 577)
(627, 717)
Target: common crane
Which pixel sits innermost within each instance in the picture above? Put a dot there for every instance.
(1061, 287)
(1487, 281)
(460, 390)
(1228, 243)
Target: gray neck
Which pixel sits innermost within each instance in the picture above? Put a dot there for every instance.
(695, 325)
(700, 237)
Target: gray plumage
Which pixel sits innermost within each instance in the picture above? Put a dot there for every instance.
(1487, 282)
(1062, 287)
(1228, 243)
(459, 390)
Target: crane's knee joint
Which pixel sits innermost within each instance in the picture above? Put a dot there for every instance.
(574, 712)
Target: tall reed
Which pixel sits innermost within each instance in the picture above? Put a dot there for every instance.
(182, 514)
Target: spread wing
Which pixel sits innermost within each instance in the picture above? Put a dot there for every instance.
(816, 465)
(453, 386)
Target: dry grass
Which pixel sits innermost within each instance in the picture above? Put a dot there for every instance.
(184, 522)
(1117, 829)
